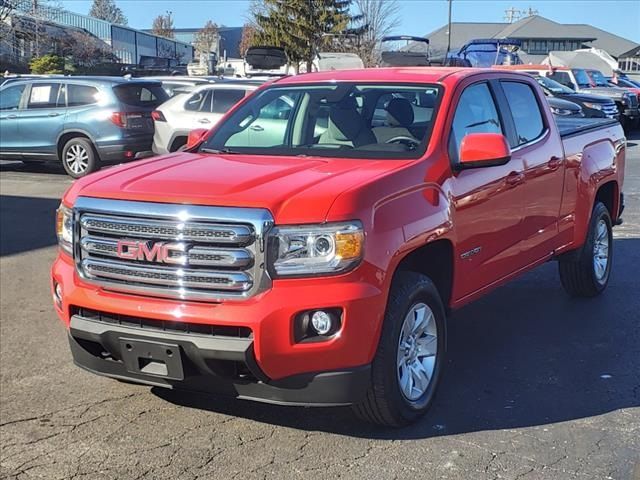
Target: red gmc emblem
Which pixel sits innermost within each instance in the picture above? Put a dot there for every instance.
(160, 252)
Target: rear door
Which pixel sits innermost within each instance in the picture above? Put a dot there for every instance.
(535, 144)
(11, 108)
(488, 201)
(42, 123)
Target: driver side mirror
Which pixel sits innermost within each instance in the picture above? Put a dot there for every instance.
(483, 150)
(195, 137)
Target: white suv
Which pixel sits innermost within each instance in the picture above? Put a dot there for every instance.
(194, 107)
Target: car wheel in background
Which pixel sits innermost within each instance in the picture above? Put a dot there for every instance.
(79, 157)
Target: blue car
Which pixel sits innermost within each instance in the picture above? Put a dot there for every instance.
(82, 122)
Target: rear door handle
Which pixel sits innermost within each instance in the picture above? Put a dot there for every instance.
(554, 163)
(54, 114)
(515, 178)
(12, 116)
(204, 120)
(256, 128)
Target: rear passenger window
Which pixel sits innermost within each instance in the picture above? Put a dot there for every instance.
(43, 95)
(524, 110)
(78, 95)
(223, 100)
(138, 95)
(476, 113)
(199, 102)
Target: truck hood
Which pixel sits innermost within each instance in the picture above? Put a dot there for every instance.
(294, 189)
(611, 92)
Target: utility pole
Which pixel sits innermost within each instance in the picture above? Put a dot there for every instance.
(512, 14)
(448, 34)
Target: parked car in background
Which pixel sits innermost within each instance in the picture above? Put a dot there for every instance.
(564, 108)
(82, 122)
(171, 84)
(195, 107)
(625, 83)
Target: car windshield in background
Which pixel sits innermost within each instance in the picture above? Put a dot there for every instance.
(554, 86)
(140, 94)
(331, 120)
(582, 78)
(598, 78)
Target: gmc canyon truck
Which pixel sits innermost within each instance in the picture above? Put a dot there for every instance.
(318, 268)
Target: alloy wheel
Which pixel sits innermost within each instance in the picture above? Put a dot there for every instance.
(77, 159)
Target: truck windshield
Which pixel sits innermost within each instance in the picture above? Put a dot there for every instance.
(598, 78)
(342, 119)
(582, 78)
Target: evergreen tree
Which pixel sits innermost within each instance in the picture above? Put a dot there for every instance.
(300, 26)
(107, 10)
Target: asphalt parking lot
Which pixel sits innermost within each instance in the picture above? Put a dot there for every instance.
(537, 386)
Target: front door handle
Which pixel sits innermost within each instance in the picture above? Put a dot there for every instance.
(554, 163)
(54, 114)
(515, 178)
(256, 128)
(12, 116)
(204, 120)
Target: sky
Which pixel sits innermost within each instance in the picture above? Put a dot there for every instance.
(418, 17)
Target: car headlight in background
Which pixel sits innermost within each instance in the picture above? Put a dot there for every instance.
(308, 250)
(596, 106)
(64, 228)
(564, 111)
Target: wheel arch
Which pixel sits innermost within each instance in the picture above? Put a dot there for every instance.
(68, 135)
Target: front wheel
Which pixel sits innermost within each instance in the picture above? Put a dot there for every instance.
(79, 158)
(406, 368)
(587, 273)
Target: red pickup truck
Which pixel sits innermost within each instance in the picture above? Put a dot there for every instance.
(308, 249)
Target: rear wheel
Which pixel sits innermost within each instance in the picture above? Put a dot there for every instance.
(79, 158)
(407, 365)
(587, 273)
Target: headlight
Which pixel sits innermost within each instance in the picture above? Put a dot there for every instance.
(307, 250)
(562, 111)
(597, 106)
(64, 228)
(625, 99)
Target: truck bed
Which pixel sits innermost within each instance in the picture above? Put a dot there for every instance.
(572, 126)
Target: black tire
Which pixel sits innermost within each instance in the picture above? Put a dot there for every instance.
(578, 272)
(385, 404)
(87, 158)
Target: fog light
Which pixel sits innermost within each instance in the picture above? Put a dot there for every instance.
(321, 322)
(57, 294)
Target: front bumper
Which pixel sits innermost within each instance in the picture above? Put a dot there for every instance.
(210, 364)
(268, 316)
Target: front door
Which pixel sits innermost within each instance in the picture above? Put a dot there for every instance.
(488, 201)
(43, 120)
(10, 111)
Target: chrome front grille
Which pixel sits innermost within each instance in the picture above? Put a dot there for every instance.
(174, 251)
(610, 110)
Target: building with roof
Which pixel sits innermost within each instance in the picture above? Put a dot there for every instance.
(538, 35)
(228, 40)
(40, 33)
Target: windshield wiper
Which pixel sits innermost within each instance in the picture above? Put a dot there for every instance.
(226, 151)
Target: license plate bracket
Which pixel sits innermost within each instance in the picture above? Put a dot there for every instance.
(157, 359)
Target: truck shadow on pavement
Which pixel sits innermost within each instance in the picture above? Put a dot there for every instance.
(26, 223)
(523, 356)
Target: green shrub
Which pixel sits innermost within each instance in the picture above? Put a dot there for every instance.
(47, 64)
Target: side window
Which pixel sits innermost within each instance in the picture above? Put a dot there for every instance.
(10, 97)
(524, 110)
(78, 95)
(223, 100)
(476, 113)
(43, 95)
(199, 102)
